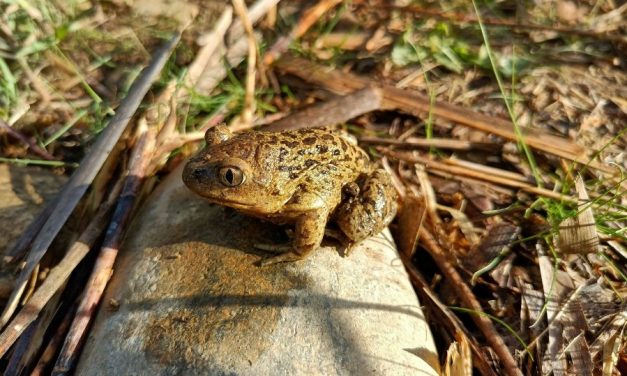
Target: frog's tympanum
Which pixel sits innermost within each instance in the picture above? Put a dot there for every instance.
(303, 177)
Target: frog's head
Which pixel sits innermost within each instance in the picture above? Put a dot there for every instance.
(228, 173)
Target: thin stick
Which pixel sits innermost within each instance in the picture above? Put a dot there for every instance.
(101, 273)
(86, 172)
(480, 175)
(453, 324)
(466, 295)
(417, 104)
(212, 41)
(54, 344)
(440, 143)
(256, 11)
(23, 139)
(58, 275)
(246, 117)
(334, 111)
(311, 16)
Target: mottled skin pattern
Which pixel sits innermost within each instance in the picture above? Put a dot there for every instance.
(305, 177)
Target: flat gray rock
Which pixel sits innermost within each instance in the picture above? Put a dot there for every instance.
(186, 298)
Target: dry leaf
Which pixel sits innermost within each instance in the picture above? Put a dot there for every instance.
(579, 234)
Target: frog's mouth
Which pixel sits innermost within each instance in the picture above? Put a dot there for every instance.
(230, 203)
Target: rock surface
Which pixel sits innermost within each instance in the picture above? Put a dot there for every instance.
(186, 299)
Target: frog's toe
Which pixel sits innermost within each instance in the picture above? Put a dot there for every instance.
(348, 248)
(273, 248)
(283, 257)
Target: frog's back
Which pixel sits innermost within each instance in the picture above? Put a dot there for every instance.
(314, 146)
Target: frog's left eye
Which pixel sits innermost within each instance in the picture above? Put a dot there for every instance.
(231, 176)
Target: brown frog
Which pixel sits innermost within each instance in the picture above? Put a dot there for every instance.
(304, 177)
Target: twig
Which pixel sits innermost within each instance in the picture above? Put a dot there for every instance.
(23, 139)
(54, 344)
(468, 172)
(417, 104)
(38, 85)
(256, 11)
(334, 111)
(58, 275)
(27, 348)
(212, 41)
(440, 143)
(466, 295)
(246, 117)
(309, 18)
(101, 273)
(84, 175)
(453, 324)
(237, 48)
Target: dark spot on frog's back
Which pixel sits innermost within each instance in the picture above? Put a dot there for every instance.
(273, 139)
(310, 162)
(344, 145)
(290, 144)
(336, 152)
(322, 149)
(309, 140)
(328, 137)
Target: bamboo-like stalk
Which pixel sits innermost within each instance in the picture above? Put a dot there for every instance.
(86, 172)
(139, 163)
(57, 276)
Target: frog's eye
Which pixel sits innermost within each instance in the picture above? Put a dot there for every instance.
(231, 176)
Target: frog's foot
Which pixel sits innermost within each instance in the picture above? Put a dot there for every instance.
(273, 248)
(283, 257)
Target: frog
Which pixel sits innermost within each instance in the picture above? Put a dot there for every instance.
(306, 178)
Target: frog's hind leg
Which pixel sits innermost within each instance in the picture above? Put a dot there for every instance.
(369, 211)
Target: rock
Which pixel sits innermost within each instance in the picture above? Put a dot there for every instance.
(186, 299)
(23, 191)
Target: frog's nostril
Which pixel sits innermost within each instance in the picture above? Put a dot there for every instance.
(199, 173)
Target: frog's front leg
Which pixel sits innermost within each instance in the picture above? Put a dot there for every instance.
(308, 234)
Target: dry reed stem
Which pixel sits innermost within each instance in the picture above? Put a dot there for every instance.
(86, 172)
(480, 174)
(102, 270)
(58, 275)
